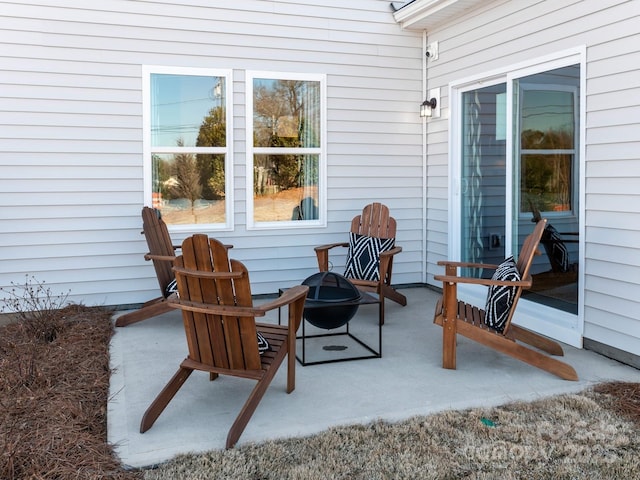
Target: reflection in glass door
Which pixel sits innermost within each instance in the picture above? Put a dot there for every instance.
(500, 201)
(546, 157)
(483, 178)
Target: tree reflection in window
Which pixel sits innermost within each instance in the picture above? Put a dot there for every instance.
(547, 148)
(189, 148)
(286, 147)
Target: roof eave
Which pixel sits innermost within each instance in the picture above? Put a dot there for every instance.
(426, 14)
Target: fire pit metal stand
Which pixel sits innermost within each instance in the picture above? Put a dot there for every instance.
(332, 353)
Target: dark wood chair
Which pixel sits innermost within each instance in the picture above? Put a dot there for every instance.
(375, 222)
(162, 254)
(460, 318)
(221, 330)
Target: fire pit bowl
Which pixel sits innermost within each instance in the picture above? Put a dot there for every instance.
(332, 300)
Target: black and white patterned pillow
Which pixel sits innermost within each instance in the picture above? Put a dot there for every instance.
(500, 297)
(172, 288)
(263, 344)
(559, 253)
(363, 257)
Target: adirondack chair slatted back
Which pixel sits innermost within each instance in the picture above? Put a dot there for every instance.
(161, 250)
(374, 222)
(221, 341)
(524, 262)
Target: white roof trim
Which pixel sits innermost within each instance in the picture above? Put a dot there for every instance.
(426, 14)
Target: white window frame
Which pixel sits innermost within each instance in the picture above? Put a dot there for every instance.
(149, 150)
(563, 326)
(320, 151)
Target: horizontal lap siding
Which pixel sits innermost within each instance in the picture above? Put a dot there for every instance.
(71, 131)
(502, 34)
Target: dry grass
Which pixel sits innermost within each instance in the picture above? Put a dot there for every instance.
(54, 389)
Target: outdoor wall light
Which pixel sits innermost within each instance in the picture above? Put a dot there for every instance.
(427, 107)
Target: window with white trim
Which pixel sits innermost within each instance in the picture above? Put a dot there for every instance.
(285, 150)
(188, 139)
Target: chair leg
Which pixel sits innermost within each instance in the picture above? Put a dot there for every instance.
(158, 307)
(163, 398)
(394, 295)
(535, 340)
(517, 351)
(249, 408)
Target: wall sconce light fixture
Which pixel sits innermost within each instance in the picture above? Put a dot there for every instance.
(427, 107)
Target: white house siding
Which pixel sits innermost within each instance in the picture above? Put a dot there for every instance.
(501, 34)
(71, 162)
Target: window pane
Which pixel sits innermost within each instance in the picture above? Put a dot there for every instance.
(483, 176)
(547, 120)
(187, 111)
(286, 113)
(189, 188)
(546, 181)
(285, 187)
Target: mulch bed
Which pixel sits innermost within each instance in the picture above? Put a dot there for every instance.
(54, 387)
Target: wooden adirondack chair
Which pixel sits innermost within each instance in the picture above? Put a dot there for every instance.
(162, 254)
(457, 317)
(222, 334)
(374, 223)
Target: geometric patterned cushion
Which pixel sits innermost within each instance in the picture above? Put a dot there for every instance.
(500, 297)
(559, 253)
(263, 344)
(363, 257)
(171, 288)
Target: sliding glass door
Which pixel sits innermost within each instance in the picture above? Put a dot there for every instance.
(519, 161)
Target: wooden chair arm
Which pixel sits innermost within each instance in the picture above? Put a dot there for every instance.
(322, 254)
(329, 246)
(164, 258)
(290, 295)
(485, 281)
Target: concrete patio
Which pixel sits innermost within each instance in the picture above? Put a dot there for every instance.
(407, 380)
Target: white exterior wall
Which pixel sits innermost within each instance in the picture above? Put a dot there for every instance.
(71, 134)
(502, 34)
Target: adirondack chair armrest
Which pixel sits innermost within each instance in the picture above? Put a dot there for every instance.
(386, 258)
(329, 246)
(289, 296)
(322, 254)
(164, 258)
(526, 283)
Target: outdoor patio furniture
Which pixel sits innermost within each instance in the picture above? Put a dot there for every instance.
(370, 256)
(223, 337)
(161, 253)
(492, 326)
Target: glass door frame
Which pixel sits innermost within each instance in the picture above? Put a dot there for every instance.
(563, 326)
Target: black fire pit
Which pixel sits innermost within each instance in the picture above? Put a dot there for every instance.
(332, 300)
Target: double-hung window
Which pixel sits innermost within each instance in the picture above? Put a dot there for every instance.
(187, 128)
(285, 150)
